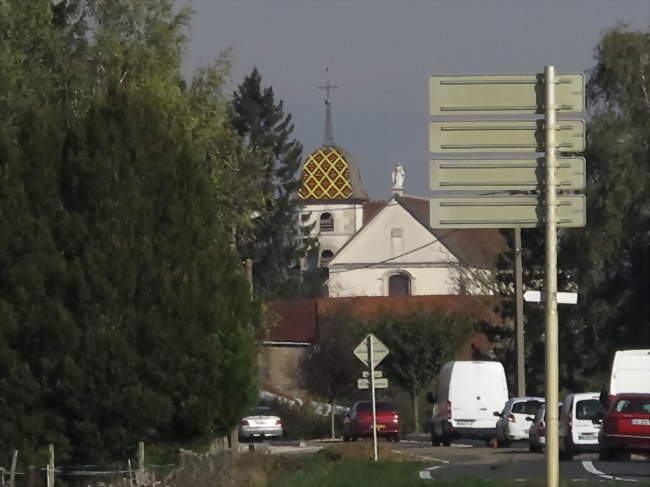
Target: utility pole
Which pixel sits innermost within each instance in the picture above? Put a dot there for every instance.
(519, 325)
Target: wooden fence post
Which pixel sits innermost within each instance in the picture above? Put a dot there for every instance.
(31, 476)
(50, 468)
(140, 475)
(12, 477)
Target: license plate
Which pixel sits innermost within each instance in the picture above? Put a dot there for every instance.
(464, 423)
(587, 436)
(645, 422)
(381, 426)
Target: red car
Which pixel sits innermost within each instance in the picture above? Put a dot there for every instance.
(358, 421)
(626, 427)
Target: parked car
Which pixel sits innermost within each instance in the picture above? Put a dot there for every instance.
(537, 431)
(512, 424)
(358, 421)
(578, 431)
(625, 427)
(261, 423)
(468, 394)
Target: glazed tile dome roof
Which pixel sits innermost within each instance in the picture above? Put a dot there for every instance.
(330, 173)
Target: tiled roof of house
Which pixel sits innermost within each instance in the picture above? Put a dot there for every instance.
(296, 320)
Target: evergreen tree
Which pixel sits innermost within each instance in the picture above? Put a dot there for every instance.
(123, 313)
(276, 242)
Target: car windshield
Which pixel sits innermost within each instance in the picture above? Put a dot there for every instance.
(263, 411)
(587, 409)
(380, 406)
(526, 407)
(634, 405)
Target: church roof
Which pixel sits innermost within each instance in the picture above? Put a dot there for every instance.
(330, 173)
(478, 248)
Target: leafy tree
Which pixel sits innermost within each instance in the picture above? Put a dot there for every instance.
(420, 344)
(330, 369)
(276, 241)
(610, 255)
(123, 314)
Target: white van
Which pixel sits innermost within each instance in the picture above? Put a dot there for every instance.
(630, 372)
(468, 394)
(578, 431)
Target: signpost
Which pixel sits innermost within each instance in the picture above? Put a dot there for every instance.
(500, 174)
(503, 136)
(381, 383)
(517, 211)
(502, 93)
(371, 351)
(506, 94)
(539, 296)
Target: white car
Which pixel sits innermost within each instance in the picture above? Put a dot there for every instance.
(262, 423)
(578, 430)
(513, 424)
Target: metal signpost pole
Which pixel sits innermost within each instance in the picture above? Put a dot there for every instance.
(519, 297)
(371, 365)
(552, 432)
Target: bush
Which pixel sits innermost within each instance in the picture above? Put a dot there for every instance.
(302, 422)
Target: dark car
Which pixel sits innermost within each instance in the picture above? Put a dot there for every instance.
(358, 421)
(626, 427)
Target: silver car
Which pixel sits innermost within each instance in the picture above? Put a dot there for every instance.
(537, 431)
(262, 423)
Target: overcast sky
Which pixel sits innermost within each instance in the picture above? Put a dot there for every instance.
(380, 54)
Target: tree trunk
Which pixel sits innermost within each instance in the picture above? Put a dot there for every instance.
(416, 410)
(332, 417)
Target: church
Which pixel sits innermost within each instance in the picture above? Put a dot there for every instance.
(386, 247)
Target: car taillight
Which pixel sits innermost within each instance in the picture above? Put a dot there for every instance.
(541, 429)
(243, 423)
(396, 418)
(511, 418)
(278, 421)
(448, 410)
(570, 421)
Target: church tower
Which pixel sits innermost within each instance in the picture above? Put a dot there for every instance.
(331, 194)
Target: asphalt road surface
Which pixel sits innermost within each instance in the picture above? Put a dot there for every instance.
(474, 459)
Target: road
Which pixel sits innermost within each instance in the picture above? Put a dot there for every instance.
(473, 459)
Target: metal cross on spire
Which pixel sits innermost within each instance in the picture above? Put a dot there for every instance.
(328, 141)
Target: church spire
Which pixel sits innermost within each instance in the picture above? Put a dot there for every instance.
(328, 141)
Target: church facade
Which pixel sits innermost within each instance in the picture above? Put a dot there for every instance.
(385, 248)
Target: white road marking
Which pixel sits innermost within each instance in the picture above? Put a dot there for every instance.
(426, 473)
(461, 445)
(422, 457)
(589, 467)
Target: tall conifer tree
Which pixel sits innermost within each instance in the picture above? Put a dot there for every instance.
(276, 243)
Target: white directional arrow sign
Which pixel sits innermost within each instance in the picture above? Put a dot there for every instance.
(379, 350)
(539, 296)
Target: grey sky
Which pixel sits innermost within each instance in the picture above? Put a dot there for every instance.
(381, 52)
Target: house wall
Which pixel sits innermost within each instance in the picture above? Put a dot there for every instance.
(374, 281)
(279, 366)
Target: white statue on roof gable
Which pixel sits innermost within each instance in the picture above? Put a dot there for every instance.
(398, 179)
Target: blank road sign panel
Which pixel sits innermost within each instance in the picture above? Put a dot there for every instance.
(504, 174)
(379, 383)
(504, 136)
(515, 93)
(504, 211)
